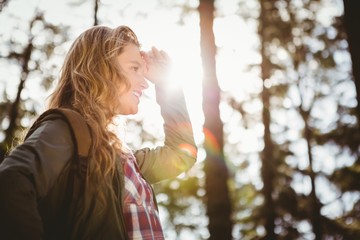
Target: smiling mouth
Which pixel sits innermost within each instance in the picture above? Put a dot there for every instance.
(137, 94)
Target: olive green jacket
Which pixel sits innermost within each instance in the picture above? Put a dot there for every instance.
(37, 184)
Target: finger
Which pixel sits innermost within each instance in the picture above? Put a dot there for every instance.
(164, 55)
(145, 55)
(156, 53)
(146, 58)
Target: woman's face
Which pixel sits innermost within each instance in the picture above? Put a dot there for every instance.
(133, 67)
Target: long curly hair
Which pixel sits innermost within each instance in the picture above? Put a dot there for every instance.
(90, 82)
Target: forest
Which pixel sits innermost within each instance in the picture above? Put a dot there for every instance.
(272, 88)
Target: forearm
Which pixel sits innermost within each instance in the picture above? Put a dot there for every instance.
(177, 124)
(179, 151)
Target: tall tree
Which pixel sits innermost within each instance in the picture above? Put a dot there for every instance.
(286, 31)
(96, 11)
(15, 110)
(267, 157)
(217, 193)
(13, 113)
(351, 16)
(313, 86)
(315, 204)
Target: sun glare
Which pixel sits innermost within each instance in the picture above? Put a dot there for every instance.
(235, 50)
(183, 46)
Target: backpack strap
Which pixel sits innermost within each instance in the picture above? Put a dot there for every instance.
(80, 133)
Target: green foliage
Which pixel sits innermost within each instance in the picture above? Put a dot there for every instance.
(31, 54)
(347, 178)
(182, 200)
(307, 78)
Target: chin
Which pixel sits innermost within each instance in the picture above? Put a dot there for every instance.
(128, 111)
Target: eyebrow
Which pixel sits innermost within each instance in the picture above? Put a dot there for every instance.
(135, 62)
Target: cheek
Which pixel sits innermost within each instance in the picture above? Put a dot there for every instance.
(133, 78)
(124, 91)
(123, 85)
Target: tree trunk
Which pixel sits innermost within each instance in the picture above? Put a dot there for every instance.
(315, 214)
(267, 170)
(14, 107)
(351, 17)
(217, 193)
(96, 11)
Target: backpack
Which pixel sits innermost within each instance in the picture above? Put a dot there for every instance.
(80, 133)
(81, 136)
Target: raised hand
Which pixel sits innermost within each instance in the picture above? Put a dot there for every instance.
(158, 65)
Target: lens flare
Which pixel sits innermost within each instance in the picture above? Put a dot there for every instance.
(188, 148)
(211, 144)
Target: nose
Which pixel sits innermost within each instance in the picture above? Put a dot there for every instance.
(143, 83)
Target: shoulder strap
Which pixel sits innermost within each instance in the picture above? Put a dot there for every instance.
(79, 130)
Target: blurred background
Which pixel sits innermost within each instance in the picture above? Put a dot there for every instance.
(272, 88)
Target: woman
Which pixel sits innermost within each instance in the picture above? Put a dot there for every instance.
(103, 76)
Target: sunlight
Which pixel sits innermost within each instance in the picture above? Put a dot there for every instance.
(236, 50)
(183, 46)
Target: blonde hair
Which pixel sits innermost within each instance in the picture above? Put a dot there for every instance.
(89, 82)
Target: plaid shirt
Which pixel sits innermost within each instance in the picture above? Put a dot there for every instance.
(140, 212)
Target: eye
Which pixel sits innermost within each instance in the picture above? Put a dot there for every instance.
(135, 68)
